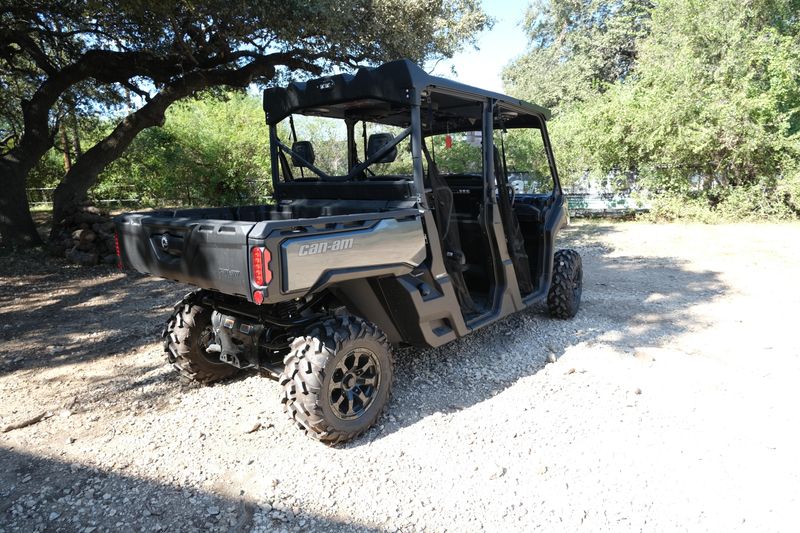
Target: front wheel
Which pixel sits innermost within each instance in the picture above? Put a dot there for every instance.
(566, 286)
(337, 379)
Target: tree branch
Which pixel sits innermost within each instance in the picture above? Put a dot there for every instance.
(86, 168)
(26, 43)
(134, 88)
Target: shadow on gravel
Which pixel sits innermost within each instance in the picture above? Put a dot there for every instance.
(74, 314)
(53, 314)
(42, 494)
(628, 302)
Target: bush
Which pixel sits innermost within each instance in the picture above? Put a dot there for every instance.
(673, 207)
(754, 203)
(764, 202)
(211, 151)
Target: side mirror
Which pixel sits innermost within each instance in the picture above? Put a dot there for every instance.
(376, 142)
(305, 150)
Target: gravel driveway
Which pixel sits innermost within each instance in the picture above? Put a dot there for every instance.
(672, 405)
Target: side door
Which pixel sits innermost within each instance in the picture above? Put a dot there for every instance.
(534, 195)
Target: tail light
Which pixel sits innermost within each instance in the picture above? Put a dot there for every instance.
(259, 265)
(117, 251)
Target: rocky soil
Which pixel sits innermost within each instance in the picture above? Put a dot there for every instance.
(671, 404)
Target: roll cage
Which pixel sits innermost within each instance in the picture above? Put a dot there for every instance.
(403, 95)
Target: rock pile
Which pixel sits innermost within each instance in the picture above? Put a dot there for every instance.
(86, 238)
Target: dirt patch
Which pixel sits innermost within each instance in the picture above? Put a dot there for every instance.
(671, 404)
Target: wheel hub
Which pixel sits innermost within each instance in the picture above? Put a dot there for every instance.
(354, 383)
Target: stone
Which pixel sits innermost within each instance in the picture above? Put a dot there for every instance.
(500, 472)
(81, 257)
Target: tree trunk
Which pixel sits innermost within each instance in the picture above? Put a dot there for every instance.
(65, 147)
(16, 224)
(71, 191)
(76, 137)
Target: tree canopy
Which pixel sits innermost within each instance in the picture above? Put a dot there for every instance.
(702, 101)
(578, 48)
(60, 59)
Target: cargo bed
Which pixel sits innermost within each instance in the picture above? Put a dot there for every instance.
(311, 243)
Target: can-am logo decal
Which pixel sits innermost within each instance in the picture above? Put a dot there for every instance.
(325, 246)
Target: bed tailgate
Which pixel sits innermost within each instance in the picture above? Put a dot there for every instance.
(211, 254)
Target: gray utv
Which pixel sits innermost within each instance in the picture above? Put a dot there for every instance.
(439, 221)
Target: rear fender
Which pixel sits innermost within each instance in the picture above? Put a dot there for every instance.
(309, 259)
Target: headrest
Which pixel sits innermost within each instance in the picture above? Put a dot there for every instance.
(376, 142)
(305, 150)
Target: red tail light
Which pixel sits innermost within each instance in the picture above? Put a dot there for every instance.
(117, 250)
(259, 265)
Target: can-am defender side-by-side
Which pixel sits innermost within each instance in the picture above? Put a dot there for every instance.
(412, 234)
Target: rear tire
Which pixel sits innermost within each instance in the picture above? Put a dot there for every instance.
(566, 286)
(186, 335)
(337, 379)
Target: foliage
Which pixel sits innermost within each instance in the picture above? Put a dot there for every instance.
(156, 41)
(58, 57)
(463, 156)
(708, 113)
(211, 151)
(578, 48)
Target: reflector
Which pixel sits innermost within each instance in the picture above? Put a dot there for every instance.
(117, 250)
(267, 271)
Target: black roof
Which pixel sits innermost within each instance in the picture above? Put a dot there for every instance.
(389, 86)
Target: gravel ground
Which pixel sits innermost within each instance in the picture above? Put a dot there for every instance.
(671, 405)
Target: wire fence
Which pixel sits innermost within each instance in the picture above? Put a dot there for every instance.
(132, 197)
(604, 205)
(584, 204)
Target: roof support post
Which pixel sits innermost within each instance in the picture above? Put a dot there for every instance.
(416, 153)
(273, 155)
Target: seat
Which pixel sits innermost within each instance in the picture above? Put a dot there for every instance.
(377, 141)
(514, 237)
(345, 190)
(305, 150)
(449, 234)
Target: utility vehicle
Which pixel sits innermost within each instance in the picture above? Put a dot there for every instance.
(409, 235)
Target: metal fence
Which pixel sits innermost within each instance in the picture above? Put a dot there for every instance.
(580, 204)
(43, 197)
(131, 196)
(604, 205)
